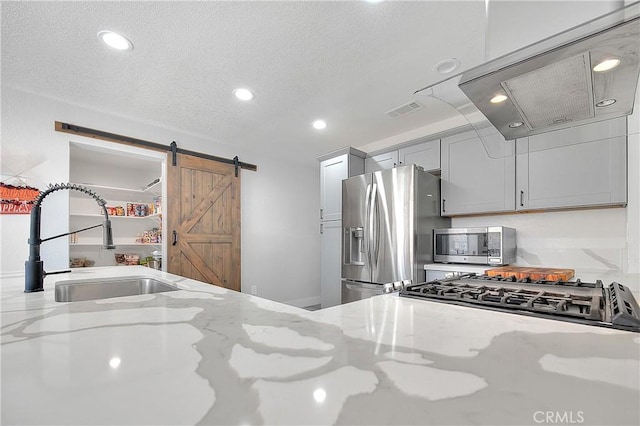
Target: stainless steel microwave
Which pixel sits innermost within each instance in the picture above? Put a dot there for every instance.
(493, 245)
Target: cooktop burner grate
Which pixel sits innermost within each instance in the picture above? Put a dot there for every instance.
(576, 301)
(550, 302)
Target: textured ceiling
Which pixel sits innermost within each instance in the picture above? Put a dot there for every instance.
(345, 62)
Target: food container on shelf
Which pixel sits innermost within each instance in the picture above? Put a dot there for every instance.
(77, 262)
(131, 259)
(119, 258)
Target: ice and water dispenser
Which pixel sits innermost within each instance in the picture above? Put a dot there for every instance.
(354, 250)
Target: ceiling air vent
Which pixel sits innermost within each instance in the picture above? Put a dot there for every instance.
(404, 109)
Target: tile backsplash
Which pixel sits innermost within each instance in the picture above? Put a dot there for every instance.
(593, 242)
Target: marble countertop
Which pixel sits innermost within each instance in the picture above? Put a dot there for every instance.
(205, 355)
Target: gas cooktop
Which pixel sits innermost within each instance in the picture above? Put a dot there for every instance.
(610, 306)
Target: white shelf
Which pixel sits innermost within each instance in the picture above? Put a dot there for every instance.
(115, 243)
(110, 193)
(115, 188)
(151, 216)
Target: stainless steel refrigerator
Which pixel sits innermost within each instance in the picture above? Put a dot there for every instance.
(388, 219)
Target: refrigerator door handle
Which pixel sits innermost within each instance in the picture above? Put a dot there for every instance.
(373, 232)
(367, 228)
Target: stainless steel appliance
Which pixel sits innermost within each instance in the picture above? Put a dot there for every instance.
(388, 219)
(588, 303)
(493, 245)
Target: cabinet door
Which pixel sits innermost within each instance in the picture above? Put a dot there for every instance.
(581, 166)
(332, 172)
(330, 263)
(432, 275)
(425, 155)
(474, 182)
(387, 160)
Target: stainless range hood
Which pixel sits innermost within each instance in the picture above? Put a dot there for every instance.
(552, 84)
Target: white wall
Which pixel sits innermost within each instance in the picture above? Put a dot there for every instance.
(280, 237)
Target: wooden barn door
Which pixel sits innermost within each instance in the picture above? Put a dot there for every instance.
(203, 235)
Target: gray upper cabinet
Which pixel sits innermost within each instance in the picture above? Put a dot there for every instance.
(425, 155)
(346, 163)
(386, 160)
(472, 180)
(576, 167)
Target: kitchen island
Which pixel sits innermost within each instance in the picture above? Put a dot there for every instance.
(205, 355)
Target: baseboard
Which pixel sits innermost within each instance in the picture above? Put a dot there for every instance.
(303, 303)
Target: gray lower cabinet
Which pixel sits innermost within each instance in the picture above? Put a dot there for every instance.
(576, 167)
(432, 275)
(473, 181)
(330, 270)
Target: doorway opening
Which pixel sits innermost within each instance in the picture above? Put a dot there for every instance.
(133, 183)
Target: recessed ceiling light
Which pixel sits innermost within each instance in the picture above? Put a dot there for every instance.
(516, 124)
(606, 65)
(498, 98)
(243, 94)
(447, 66)
(606, 102)
(115, 40)
(319, 124)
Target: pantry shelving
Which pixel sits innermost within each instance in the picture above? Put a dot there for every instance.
(151, 216)
(132, 187)
(116, 243)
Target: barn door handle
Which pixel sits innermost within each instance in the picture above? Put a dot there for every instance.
(175, 238)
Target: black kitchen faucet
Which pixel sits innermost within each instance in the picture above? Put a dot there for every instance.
(34, 267)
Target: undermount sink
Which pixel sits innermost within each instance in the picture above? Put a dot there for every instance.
(106, 288)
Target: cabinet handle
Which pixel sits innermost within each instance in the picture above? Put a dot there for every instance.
(521, 198)
(394, 164)
(321, 213)
(443, 205)
(175, 238)
(321, 229)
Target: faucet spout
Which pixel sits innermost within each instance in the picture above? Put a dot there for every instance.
(34, 266)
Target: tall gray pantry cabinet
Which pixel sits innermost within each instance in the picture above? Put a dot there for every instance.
(334, 167)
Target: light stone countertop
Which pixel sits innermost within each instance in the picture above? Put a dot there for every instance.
(205, 355)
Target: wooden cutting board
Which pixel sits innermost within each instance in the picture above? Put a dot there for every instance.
(520, 272)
